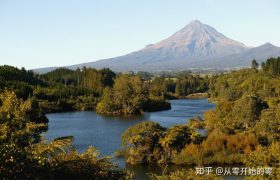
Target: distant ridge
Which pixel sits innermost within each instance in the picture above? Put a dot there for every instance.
(196, 46)
(240, 60)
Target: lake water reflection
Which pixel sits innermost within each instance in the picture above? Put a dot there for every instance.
(104, 133)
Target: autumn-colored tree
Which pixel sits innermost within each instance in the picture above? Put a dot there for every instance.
(174, 139)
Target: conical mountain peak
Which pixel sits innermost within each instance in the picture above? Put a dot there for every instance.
(197, 45)
(268, 44)
(195, 22)
(197, 40)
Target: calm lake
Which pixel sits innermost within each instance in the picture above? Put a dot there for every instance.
(104, 133)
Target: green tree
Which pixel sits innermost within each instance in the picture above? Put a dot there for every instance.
(255, 64)
(268, 128)
(107, 104)
(246, 112)
(272, 66)
(126, 97)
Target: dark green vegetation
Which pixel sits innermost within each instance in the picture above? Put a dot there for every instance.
(243, 129)
(272, 66)
(86, 89)
(179, 86)
(130, 95)
(60, 90)
(68, 90)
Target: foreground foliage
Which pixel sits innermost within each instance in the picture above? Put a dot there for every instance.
(25, 155)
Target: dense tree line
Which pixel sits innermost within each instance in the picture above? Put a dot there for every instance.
(188, 84)
(83, 89)
(18, 80)
(272, 66)
(9, 73)
(59, 90)
(179, 86)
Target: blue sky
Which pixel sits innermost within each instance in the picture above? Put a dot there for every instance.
(43, 33)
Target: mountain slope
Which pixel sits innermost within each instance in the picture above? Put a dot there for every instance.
(194, 42)
(239, 60)
(197, 45)
(197, 40)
